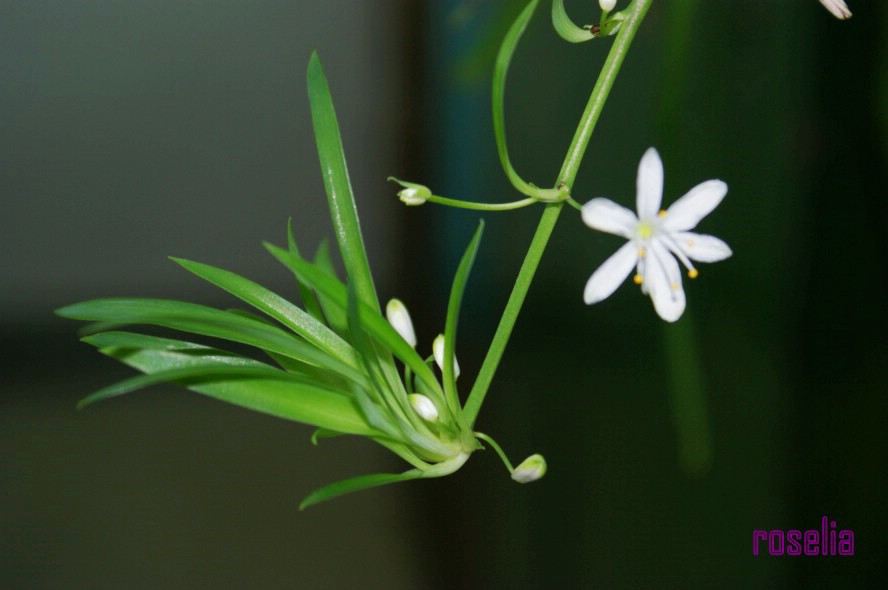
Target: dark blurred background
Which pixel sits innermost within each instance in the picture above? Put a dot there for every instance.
(134, 131)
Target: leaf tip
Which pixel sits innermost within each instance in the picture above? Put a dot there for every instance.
(314, 63)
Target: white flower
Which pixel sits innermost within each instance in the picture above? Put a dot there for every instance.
(423, 406)
(838, 8)
(438, 351)
(398, 316)
(654, 237)
(607, 5)
(531, 469)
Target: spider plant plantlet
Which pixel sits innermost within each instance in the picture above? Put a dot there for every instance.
(332, 365)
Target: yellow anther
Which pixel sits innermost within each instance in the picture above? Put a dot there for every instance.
(693, 273)
(642, 252)
(662, 213)
(676, 286)
(638, 279)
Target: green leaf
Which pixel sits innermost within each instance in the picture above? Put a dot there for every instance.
(368, 355)
(275, 307)
(336, 316)
(197, 374)
(363, 482)
(320, 433)
(339, 192)
(453, 307)
(134, 340)
(309, 299)
(566, 27)
(501, 68)
(375, 325)
(300, 402)
(199, 319)
(394, 399)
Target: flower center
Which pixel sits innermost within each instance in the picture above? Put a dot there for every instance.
(645, 230)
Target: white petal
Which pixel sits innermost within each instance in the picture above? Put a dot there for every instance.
(605, 215)
(398, 316)
(438, 352)
(649, 185)
(838, 8)
(611, 274)
(702, 248)
(699, 202)
(663, 280)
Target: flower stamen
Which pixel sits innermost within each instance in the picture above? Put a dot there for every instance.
(679, 253)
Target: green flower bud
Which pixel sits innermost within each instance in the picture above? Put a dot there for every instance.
(413, 194)
(531, 469)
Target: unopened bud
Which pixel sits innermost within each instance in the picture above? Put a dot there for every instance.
(423, 406)
(838, 8)
(607, 5)
(531, 469)
(413, 194)
(438, 351)
(398, 316)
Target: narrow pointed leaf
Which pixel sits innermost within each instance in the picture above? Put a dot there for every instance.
(336, 316)
(364, 482)
(566, 27)
(298, 402)
(501, 68)
(382, 411)
(453, 307)
(375, 325)
(199, 319)
(367, 355)
(197, 374)
(134, 340)
(309, 299)
(339, 192)
(320, 433)
(275, 307)
(328, 378)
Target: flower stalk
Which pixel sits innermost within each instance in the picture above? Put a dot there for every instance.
(634, 15)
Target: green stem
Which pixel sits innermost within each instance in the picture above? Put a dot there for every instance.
(482, 206)
(498, 449)
(634, 16)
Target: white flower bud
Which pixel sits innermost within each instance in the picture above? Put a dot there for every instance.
(438, 351)
(398, 316)
(607, 5)
(838, 8)
(413, 194)
(531, 469)
(423, 406)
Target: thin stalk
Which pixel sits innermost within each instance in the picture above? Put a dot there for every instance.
(482, 206)
(634, 16)
(498, 449)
